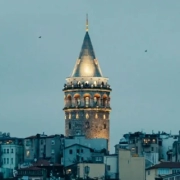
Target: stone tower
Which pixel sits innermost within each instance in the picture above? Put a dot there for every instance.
(87, 96)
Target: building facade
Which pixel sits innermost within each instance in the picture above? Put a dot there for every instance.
(11, 154)
(162, 169)
(42, 146)
(130, 167)
(87, 96)
(81, 149)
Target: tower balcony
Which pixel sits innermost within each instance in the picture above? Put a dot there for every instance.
(88, 107)
(86, 86)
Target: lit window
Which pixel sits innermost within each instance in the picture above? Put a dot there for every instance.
(96, 115)
(27, 153)
(69, 115)
(77, 116)
(87, 101)
(104, 116)
(87, 116)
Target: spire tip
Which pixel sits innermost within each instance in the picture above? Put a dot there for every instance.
(87, 28)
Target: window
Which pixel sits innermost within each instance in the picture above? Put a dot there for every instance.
(96, 115)
(98, 158)
(173, 171)
(77, 150)
(52, 151)
(11, 160)
(81, 150)
(163, 171)
(77, 116)
(42, 142)
(152, 148)
(4, 150)
(7, 160)
(149, 172)
(69, 115)
(69, 125)
(27, 153)
(104, 126)
(87, 116)
(8, 151)
(108, 167)
(87, 101)
(70, 151)
(52, 142)
(12, 150)
(4, 160)
(82, 159)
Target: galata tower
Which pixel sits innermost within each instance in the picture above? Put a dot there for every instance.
(87, 96)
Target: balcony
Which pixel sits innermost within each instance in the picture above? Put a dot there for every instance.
(87, 107)
(86, 86)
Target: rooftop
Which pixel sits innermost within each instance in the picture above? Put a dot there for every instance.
(165, 165)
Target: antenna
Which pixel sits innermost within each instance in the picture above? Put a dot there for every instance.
(87, 28)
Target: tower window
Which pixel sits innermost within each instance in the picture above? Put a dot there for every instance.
(104, 126)
(70, 151)
(69, 125)
(69, 115)
(104, 116)
(77, 116)
(87, 101)
(96, 115)
(87, 116)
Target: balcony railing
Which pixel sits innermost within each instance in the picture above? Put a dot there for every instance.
(88, 86)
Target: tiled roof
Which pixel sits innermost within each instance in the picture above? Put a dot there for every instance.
(165, 165)
(33, 168)
(78, 145)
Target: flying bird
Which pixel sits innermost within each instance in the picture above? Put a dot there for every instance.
(39, 36)
(145, 51)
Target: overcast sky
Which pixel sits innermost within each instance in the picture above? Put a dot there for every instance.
(145, 85)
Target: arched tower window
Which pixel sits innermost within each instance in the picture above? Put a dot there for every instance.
(104, 126)
(96, 99)
(77, 100)
(69, 101)
(104, 100)
(87, 100)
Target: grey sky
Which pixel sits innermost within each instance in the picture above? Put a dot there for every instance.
(32, 71)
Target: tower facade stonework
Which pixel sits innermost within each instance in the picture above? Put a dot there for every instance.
(87, 97)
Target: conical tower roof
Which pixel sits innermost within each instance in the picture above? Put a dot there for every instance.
(87, 64)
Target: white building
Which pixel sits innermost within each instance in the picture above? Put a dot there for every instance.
(111, 166)
(11, 154)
